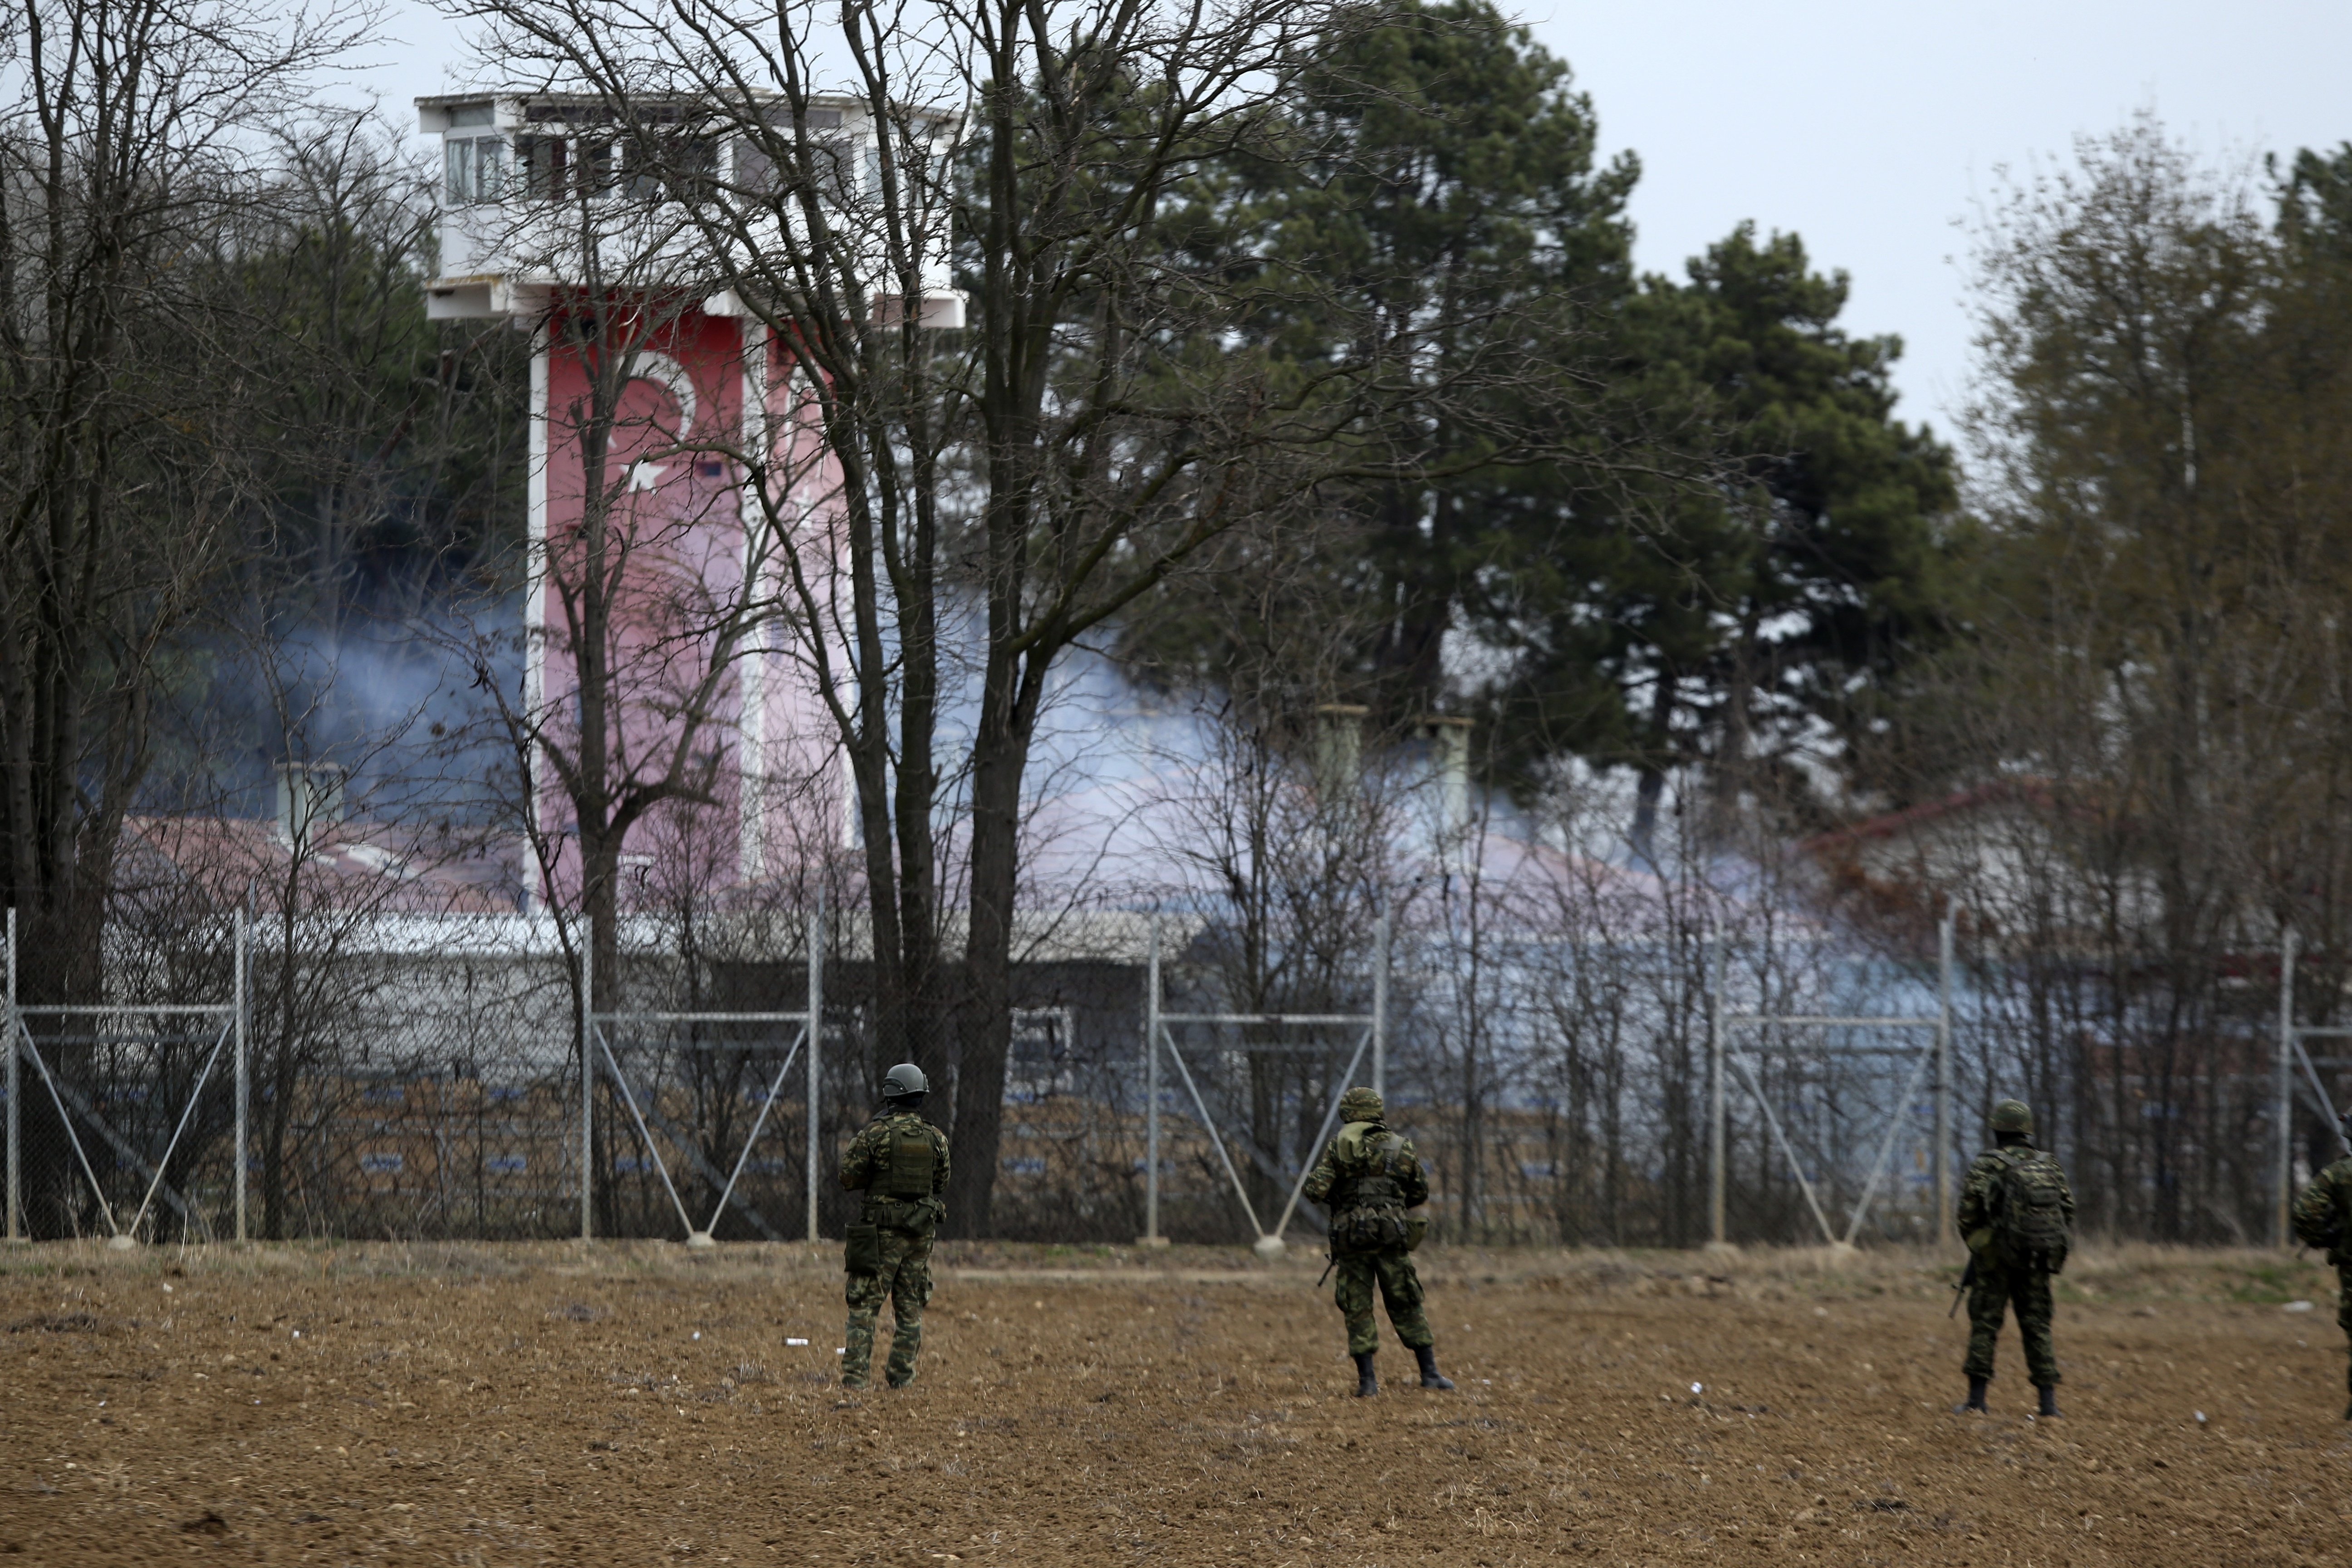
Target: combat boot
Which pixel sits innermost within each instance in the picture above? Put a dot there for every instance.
(1430, 1376)
(2049, 1403)
(1366, 1383)
(1976, 1397)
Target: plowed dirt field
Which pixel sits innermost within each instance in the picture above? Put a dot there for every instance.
(641, 1404)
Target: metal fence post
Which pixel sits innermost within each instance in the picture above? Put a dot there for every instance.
(1151, 1088)
(244, 1072)
(2281, 1222)
(587, 1084)
(816, 1033)
(1380, 1002)
(1943, 1162)
(15, 1097)
(1716, 1174)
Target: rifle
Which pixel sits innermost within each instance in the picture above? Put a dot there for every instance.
(1330, 1261)
(1967, 1277)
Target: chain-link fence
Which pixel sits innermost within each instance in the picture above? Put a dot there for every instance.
(418, 1077)
(121, 1097)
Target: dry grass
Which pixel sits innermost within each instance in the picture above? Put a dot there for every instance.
(637, 1404)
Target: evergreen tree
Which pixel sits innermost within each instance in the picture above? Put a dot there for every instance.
(1765, 588)
(1665, 522)
(1440, 187)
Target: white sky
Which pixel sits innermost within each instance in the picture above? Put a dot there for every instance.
(1869, 129)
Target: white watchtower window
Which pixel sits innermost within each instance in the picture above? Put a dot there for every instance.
(542, 192)
(473, 156)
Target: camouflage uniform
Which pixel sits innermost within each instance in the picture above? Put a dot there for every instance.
(1998, 1287)
(1348, 1157)
(907, 1227)
(2323, 1218)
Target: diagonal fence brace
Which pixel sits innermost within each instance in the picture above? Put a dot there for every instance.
(629, 1099)
(1322, 1134)
(186, 1111)
(1209, 1125)
(25, 1035)
(2319, 1093)
(775, 1086)
(1887, 1149)
(1739, 1060)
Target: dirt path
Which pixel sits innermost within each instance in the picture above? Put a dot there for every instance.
(533, 1405)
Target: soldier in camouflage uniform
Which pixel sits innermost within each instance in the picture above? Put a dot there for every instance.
(900, 1161)
(2322, 1218)
(1368, 1177)
(2004, 1283)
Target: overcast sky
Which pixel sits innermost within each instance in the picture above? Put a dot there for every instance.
(1868, 128)
(1871, 129)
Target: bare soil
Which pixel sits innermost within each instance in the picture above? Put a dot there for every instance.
(639, 1404)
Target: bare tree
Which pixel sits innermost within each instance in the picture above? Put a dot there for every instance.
(1281, 818)
(2148, 722)
(1007, 486)
(132, 129)
(651, 588)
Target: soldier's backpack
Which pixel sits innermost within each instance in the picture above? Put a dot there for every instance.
(1368, 1214)
(2322, 1225)
(2029, 1211)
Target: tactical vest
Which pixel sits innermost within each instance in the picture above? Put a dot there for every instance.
(907, 1165)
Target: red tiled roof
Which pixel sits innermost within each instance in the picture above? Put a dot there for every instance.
(2033, 792)
(355, 864)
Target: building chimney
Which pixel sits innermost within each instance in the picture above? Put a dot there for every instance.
(310, 798)
(1449, 751)
(1339, 749)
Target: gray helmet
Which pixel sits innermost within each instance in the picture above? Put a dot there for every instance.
(2013, 1116)
(904, 1079)
(1361, 1104)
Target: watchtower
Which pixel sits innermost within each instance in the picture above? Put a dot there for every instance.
(618, 237)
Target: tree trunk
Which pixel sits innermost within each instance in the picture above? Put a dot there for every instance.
(1000, 757)
(1652, 784)
(1738, 696)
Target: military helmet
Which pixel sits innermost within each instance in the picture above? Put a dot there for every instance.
(2012, 1116)
(904, 1079)
(1361, 1104)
